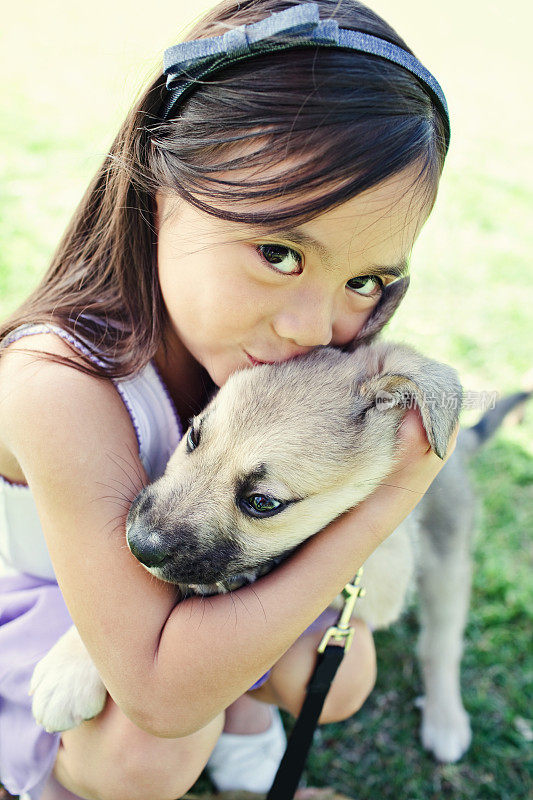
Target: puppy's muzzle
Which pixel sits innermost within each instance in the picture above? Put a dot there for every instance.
(176, 552)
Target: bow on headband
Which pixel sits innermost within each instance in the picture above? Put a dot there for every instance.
(299, 26)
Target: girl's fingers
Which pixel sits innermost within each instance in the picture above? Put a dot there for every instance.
(412, 439)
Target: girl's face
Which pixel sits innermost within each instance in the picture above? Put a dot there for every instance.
(238, 294)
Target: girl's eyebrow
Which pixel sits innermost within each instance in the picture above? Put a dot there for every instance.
(398, 270)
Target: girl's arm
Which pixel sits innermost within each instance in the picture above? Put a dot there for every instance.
(171, 669)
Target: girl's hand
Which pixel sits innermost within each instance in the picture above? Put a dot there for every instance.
(418, 466)
(413, 441)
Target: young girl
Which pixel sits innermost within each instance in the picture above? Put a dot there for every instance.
(260, 207)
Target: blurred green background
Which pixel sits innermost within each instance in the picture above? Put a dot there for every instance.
(70, 73)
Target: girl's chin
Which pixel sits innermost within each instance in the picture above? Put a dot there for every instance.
(219, 373)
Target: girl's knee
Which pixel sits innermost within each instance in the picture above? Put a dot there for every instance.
(353, 682)
(121, 762)
(355, 679)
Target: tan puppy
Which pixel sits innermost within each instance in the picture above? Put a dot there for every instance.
(278, 453)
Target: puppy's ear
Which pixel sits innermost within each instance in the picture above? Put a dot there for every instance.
(436, 391)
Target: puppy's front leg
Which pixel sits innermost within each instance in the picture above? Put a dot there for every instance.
(444, 585)
(65, 685)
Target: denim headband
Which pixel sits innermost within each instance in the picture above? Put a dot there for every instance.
(299, 26)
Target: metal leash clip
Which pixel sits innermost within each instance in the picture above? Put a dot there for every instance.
(342, 632)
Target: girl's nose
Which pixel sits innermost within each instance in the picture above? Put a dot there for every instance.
(307, 320)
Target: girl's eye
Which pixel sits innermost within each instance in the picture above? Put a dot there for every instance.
(287, 261)
(283, 258)
(193, 439)
(366, 285)
(260, 505)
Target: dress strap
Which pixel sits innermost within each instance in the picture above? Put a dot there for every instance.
(154, 418)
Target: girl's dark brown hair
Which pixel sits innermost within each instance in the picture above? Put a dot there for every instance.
(344, 120)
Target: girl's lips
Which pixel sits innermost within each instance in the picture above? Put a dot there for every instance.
(255, 361)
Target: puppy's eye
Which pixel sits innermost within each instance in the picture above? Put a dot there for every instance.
(261, 505)
(193, 439)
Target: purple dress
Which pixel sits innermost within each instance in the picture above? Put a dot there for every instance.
(33, 615)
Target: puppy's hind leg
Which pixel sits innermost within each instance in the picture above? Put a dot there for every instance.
(444, 581)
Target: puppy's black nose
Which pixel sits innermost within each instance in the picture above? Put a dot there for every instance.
(145, 546)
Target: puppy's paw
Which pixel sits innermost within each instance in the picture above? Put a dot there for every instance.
(65, 685)
(445, 730)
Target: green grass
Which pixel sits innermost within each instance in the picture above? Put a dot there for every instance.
(469, 304)
(377, 754)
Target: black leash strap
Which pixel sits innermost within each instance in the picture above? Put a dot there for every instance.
(299, 744)
(328, 661)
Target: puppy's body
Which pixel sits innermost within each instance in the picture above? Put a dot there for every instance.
(277, 454)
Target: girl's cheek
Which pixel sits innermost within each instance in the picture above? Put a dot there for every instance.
(349, 326)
